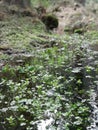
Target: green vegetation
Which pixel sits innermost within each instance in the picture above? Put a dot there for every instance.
(42, 71)
(47, 82)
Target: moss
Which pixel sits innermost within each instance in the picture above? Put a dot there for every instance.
(79, 31)
(50, 21)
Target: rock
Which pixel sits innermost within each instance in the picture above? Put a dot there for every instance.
(79, 27)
